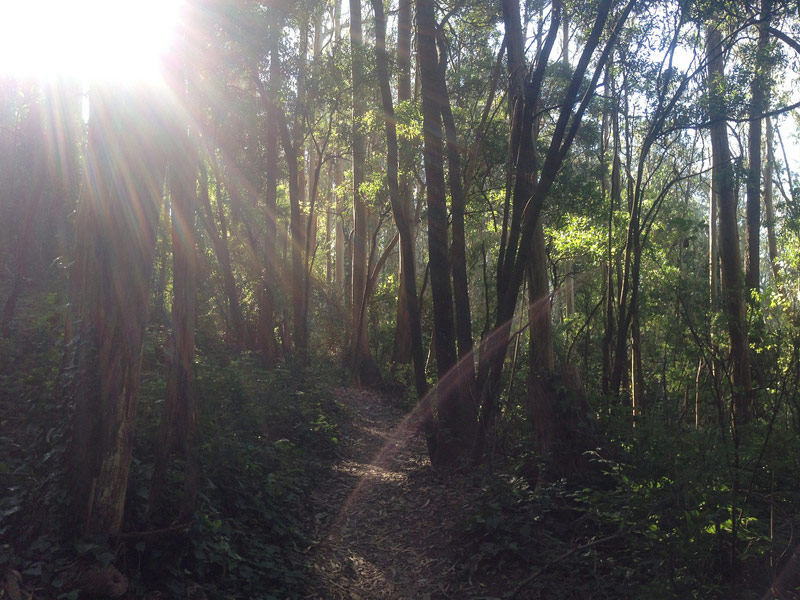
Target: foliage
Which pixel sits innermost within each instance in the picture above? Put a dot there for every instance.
(266, 437)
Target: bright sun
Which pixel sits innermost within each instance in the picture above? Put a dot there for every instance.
(109, 40)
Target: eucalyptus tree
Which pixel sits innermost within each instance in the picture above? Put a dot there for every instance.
(362, 364)
(734, 305)
(115, 248)
(177, 430)
(408, 313)
(451, 431)
(532, 189)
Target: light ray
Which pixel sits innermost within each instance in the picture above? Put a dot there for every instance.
(109, 40)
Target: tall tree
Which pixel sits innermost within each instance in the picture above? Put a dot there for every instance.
(177, 429)
(363, 366)
(400, 210)
(769, 210)
(758, 105)
(31, 192)
(297, 216)
(455, 415)
(269, 348)
(402, 352)
(458, 202)
(527, 206)
(733, 302)
(115, 249)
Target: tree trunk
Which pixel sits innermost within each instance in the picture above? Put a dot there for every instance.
(267, 343)
(731, 265)
(115, 249)
(31, 134)
(608, 322)
(363, 367)
(220, 245)
(402, 352)
(177, 429)
(458, 251)
(455, 416)
(541, 352)
(573, 107)
(713, 244)
(769, 211)
(402, 217)
(758, 105)
(297, 217)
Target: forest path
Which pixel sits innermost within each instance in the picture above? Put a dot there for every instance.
(384, 523)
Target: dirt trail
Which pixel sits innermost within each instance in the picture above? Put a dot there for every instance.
(385, 521)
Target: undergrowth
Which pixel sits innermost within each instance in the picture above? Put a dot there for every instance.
(265, 436)
(685, 514)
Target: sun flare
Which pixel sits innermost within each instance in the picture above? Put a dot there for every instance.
(108, 40)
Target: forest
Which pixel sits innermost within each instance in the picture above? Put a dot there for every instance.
(400, 299)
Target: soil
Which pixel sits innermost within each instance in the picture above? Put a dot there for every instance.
(386, 525)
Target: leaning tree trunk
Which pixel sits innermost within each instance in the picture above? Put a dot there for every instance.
(115, 249)
(521, 233)
(733, 302)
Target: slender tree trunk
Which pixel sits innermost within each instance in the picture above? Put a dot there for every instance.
(115, 250)
(177, 429)
(458, 251)
(267, 343)
(623, 322)
(401, 352)
(338, 179)
(769, 211)
(402, 217)
(363, 367)
(758, 104)
(338, 254)
(32, 132)
(455, 415)
(541, 354)
(297, 217)
(220, 245)
(608, 333)
(734, 305)
(713, 244)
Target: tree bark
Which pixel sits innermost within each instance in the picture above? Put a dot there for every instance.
(363, 367)
(458, 251)
(455, 414)
(220, 245)
(769, 211)
(402, 216)
(402, 352)
(541, 352)
(733, 302)
(177, 430)
(758, 105)
(271, 274)
(115, 249)
(34, 157)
